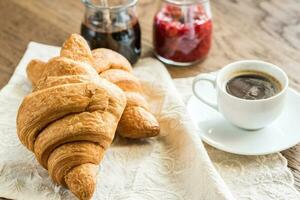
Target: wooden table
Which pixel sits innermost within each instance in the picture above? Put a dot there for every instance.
(243, 29)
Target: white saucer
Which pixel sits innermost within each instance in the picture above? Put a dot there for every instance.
(282, 134)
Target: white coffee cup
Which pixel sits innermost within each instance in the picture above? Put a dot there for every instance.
(243, 113)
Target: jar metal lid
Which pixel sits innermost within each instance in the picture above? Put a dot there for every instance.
(121, 6)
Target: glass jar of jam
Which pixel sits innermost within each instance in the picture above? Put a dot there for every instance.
(112, 24)
(182, 31)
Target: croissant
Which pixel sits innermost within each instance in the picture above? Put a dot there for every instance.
(137, 121)
(69, 120)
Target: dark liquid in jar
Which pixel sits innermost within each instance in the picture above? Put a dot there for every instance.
(127, 41)
(253, 86)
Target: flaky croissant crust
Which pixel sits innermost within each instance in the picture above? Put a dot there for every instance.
(137, 121)
(69, 119)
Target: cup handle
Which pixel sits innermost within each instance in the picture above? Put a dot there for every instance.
(209, 78)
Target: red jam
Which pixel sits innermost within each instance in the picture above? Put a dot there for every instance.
(181, 41)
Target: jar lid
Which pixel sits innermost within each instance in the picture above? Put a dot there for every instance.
(109, 4)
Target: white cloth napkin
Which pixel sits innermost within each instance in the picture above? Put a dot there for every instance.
(174, 165)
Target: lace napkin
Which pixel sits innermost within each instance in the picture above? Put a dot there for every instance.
(173, 166)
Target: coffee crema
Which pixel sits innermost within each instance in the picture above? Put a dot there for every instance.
(253, 85)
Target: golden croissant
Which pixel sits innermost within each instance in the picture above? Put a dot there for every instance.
(69, 119)
(137, 121)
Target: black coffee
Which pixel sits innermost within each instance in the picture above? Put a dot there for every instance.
(253, 86)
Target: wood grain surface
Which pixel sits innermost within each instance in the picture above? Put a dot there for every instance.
(243, 29)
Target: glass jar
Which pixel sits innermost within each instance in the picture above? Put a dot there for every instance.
(182, 31)
(113, 24)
